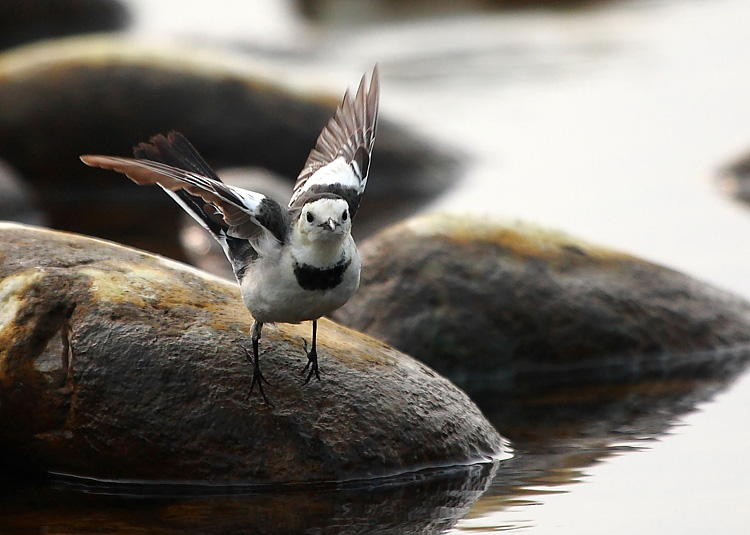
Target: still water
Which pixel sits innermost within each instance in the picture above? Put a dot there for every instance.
(608, 123)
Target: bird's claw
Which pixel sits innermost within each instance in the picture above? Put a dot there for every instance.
(312, 363)
(257, 378)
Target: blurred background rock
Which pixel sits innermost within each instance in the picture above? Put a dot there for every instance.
(25, 21)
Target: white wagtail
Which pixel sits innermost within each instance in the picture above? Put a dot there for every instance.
(294, 264)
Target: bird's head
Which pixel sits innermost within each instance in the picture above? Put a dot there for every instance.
(325, 218)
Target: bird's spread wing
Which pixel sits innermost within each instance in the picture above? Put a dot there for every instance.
(244, 212)
(340, 161)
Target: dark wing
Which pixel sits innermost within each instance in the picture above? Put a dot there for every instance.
(192, 183)
(340, 161)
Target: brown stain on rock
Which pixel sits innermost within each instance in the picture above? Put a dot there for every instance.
(523, 241)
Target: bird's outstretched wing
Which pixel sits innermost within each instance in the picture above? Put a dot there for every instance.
(340, 161)
(172, 163)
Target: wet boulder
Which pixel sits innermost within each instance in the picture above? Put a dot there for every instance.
(117, 364)
(103, 95)
(508, 311)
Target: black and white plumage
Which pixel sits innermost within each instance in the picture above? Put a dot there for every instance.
(293, 264)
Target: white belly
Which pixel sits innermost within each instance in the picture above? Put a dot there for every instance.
(271, 292)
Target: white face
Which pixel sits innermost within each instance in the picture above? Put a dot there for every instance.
(325, 219)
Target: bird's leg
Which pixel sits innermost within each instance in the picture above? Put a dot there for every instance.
(257, 374)
(312, 356)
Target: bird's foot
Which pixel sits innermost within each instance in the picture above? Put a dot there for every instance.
(257, 377)
(312, 363)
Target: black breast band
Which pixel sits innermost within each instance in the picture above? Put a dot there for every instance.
(313, 278)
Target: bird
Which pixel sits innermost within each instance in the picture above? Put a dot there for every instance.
(295, 263)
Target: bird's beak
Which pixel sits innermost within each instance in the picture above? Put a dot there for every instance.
(331, 223)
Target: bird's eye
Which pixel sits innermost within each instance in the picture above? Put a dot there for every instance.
(310, 217)
(344, 215)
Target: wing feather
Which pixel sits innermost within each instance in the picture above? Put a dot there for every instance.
(244, 212)
(340, 161)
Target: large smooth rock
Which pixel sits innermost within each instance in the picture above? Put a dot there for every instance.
(103, 95)
(509, 310)
(118, 364)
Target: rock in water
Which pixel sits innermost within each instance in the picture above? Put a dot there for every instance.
(102, 95)
(118, 364)
(510, 308)
(17, 202)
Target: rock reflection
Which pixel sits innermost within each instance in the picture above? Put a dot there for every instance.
(427, 502)
(559, 432)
